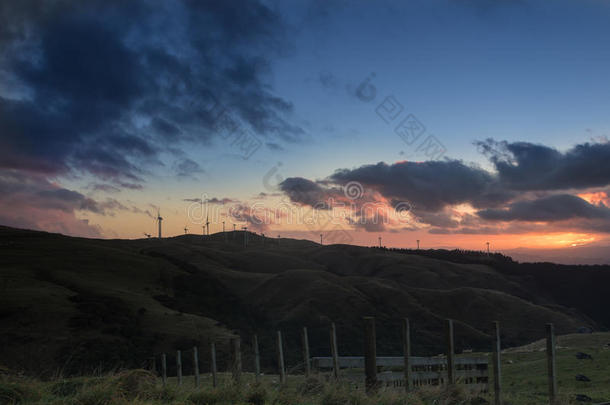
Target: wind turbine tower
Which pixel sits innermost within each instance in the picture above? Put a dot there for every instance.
(159, 220)
(207, 225)
(418, 244)
(487, 248)
(245, 228)
(321, 239)
(185, 229)
(380, 241)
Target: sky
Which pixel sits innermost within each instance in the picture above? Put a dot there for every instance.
(455, 123)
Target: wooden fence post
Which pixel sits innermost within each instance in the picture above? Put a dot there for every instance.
(280, 358)
(179, 366)
(497, 350)
(164, 369)
(257, 359)
(370, 355)
(450, 354)
(550, 357)
(214, 371)
(236, 359)
(306, 359)
(406, 348)
(196, 366)
(333, 350)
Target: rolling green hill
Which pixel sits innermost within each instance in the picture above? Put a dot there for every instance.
(75, 304)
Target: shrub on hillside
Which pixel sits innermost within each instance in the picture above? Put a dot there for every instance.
(102, 394)
(67, 388)
(135, 383)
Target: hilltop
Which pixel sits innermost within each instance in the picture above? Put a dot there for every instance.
(75, 304)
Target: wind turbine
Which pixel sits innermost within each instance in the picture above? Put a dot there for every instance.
(159, 221)
(418, 244)
(487, 248)
(147, 235)
(321, 239)
(380, 241)
(207, 225)
(245, 228)
(185, 229)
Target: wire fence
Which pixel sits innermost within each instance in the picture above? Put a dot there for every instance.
(291, 353)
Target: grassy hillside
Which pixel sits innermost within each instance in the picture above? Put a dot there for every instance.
(77, 304)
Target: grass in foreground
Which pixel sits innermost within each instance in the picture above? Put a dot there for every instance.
(142, 388)
(524, 382)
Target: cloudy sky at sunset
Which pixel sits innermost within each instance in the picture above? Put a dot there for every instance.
(452, 122)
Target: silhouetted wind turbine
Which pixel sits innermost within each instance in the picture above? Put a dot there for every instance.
(418, 244)
(380, 241)
(321, 239)
(207, 225)
(159, 220)
(245, 228)
(185, 229)
(487, 248)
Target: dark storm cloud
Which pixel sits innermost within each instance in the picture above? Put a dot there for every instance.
(527, 166)
(105, 85)
(307, 192)
(553, 208)
(429, 185)
(524, 172)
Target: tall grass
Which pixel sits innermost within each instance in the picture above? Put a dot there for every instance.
(140, 387)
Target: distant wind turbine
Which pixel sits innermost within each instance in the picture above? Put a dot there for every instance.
(185, 229)
(418, 244)
(159, 221)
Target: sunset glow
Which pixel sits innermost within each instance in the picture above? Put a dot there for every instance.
(291, 131)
